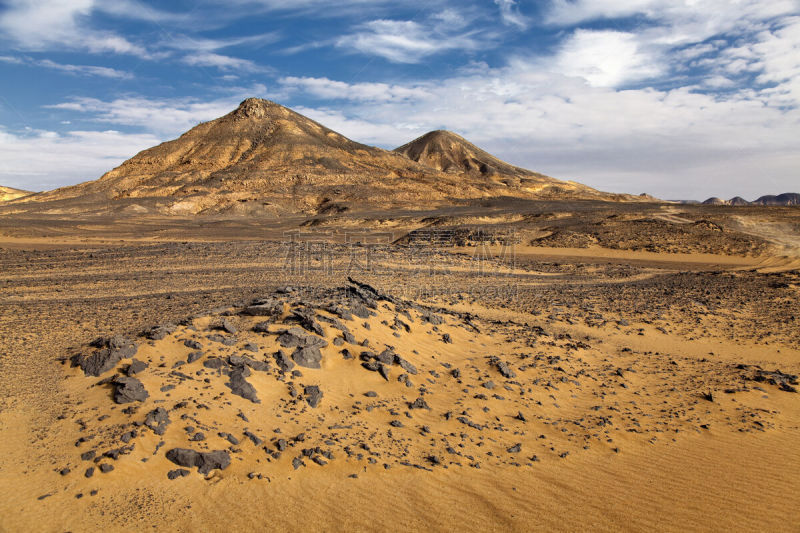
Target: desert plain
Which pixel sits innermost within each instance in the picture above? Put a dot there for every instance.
(533, 355)
(552, 387)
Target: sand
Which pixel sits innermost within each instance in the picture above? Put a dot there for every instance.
(653, 453)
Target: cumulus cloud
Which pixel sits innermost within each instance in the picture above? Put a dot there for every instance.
(61, 24)
(606, 58)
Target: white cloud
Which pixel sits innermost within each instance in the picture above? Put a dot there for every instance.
(11, 60)
(366, 92)
(40, 25)
(605, 58)
(87, 70)
(204, 44)
(695, 20)
(407, 41)
(220, 61)
(29, 160)
(83, 70)
(510, 15)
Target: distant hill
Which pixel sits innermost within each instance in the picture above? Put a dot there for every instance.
(7, 193)
(715, 201)
(265, 158)
(788, 198)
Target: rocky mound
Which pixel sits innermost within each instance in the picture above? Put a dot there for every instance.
(265, 158)
(361, 380)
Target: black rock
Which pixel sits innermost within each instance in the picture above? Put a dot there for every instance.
(308, 357)
(89, 472)
(405, 365)
(136, 367)
(281, 445)
(197, 437)
(127, 390)
(230, 438)
(313, 395)
(106, 468)
(192, 344)
(111, 351)
(228, 326)
(157, 420)
(179, 472)
(283, 361)
(296, 337)
(215, 363)
(267, 308)
(260, 366)
(253, 437)
(156, 333)
(505, 370)
(371, 394)
(386, 357)
(446, 339)
(88, 455)
(240, 386)
(194, 356)
(261, 327)
(307, 319)
(515, 448)
(204, 461)
(419, 403)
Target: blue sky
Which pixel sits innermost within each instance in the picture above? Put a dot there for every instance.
(677, 98)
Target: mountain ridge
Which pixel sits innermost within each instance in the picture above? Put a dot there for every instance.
(265, 158)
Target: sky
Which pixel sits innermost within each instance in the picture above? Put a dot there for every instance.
(681, 99)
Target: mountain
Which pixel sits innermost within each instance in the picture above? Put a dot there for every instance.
(265, 158)
(449, 152)
(7, 193)
(738, 200)
(787, 198)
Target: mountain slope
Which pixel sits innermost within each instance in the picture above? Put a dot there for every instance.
(263, 157)
(8, 193)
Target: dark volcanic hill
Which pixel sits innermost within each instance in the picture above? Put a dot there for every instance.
(787, 198)
(265, 158)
